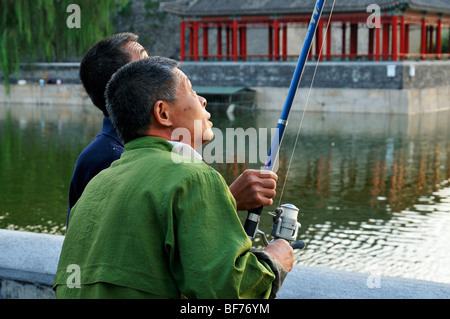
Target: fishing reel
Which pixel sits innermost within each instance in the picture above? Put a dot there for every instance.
(285, 226)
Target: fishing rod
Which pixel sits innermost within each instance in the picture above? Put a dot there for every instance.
(285, 217)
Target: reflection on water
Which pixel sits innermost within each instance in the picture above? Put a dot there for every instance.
(39, 146)
(373, 190)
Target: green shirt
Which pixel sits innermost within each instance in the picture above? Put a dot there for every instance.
(156, 224)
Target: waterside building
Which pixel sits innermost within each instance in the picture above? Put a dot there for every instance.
(385, 56)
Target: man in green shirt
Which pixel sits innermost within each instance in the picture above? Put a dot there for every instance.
(252, 189)
(159, 222)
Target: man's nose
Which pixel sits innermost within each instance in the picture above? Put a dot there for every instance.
(202, 100)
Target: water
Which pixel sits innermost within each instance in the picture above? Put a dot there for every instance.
(373, 190)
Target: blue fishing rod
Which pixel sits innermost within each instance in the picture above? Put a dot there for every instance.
(285, 218)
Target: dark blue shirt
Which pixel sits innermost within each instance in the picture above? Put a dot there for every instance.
(98, 155)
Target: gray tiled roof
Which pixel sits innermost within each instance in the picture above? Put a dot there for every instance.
(252, 7)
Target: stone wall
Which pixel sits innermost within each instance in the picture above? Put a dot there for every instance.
(358, 87)
(333, 75)
(158, 31)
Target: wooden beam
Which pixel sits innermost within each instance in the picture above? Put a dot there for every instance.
(219, 42)
(284, 42)
(394, 38)
(386, 32)
(319, 38)
(353, 40)
(402, 37)
(205, 43)
(423, 47)
(182, 40)
(439, 39)
(276, 39)
(329, 42)
(195, 40)
(377, 43)
(235, 42)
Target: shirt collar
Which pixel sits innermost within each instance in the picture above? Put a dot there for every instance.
(160, 143)
(108, 129)
(186, 150)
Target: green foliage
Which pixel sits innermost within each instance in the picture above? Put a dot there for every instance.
(33, 30)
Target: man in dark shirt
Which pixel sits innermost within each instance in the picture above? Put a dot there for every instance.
(98, 155)
(96, 68)
(253, 188)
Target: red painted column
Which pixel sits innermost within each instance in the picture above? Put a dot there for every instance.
(195, 40)
(329, 43)
(284, 42)
(439, 39)
(385, 55)
(407, 39)
(423, 48)
(276, 39)
(402, 38)
(394, 38)
(353, 40)
(228, 44)
(243, 42)
(244, 45)
(344, 26)
(182, 40)
(219, 43)
(319, 38)
(270, 42)
(377, 43)
(370, 49)
(191, 41)
(240, 41)
(205, 43)
(235, 42)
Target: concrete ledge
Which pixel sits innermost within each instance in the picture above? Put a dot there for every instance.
(323, 283)
(28, 262)
(10, 289)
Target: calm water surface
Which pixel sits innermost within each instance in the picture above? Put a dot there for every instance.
(373, 190)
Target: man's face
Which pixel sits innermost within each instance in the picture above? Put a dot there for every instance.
(136, 51)
(190, 113)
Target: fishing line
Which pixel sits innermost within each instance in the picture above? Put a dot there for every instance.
(307, 100)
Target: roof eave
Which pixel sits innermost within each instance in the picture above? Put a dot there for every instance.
(407, 3)
(425, 9)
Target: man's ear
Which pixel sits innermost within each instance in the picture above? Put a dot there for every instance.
(161, 112)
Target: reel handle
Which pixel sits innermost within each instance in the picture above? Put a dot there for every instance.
(299, 244)
(252, 222)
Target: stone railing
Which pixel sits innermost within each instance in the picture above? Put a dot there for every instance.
(28, 262)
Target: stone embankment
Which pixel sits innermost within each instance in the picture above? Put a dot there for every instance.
(28, 262)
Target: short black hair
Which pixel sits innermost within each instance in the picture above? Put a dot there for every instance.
(100, 62)
(133, 91)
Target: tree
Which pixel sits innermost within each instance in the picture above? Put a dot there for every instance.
(48, 30)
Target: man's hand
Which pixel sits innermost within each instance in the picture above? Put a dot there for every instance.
(254, 188)
(281, 251)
